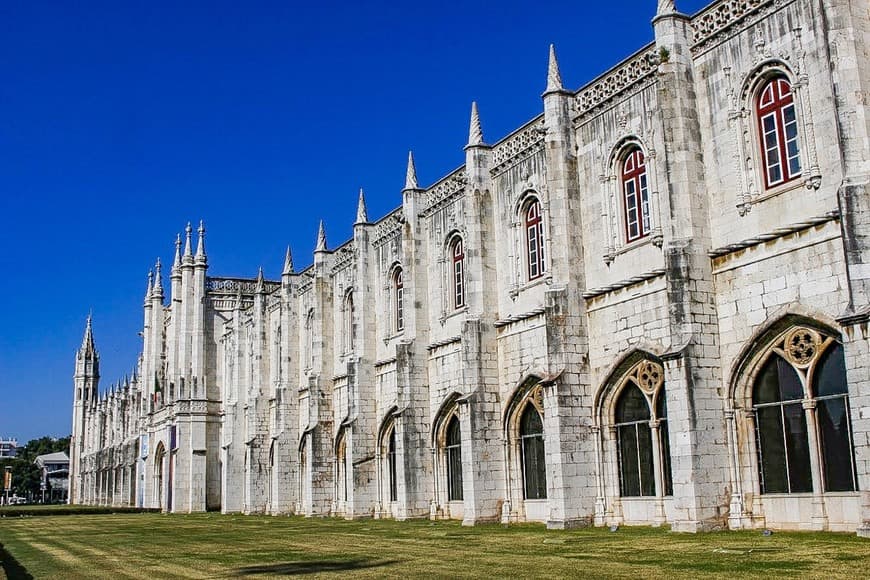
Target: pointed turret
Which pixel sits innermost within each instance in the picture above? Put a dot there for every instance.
(666, 7)
(201, 258)
(475, 132)
(321, 238)
(362, 215)
(411, 173)
(554, 79)
(288, 263)
(87, 348)
(157, 292)
(150, 289)
(261, 287)
(176, 264)
(188, 255)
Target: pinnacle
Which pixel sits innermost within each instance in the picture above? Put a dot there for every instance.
(475, 132)
(260, 282)
(177, 263)
(321, 239)
(362, 216)
(158, 280)
(187, 232)
(200, 245)
(554, 79)
(288, 263)
(411, 174)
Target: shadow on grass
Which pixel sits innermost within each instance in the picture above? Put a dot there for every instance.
(312, 567)
(11, 567)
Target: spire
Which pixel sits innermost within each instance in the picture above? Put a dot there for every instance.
(362, 216)
(288, 263)
(261, 288)
(88, 348)
(176, 264)
(150, 287)
(554, 79)
(321, 239)
(665, 7)
(411, 174)
(475, 133)
(187, 231)
(158, 281)
(200, 244)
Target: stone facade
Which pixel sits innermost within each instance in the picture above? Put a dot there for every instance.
(529, 295)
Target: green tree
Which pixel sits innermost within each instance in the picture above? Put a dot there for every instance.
(26, 476)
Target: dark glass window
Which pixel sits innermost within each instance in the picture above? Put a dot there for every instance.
(391, 465)
(533, 458)
(835, 426)
(783, 444)
(662, 416)
(634, 443)
(453, 449)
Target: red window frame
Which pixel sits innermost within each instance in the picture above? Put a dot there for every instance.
(458, 254)
(778, 132)
(534, 227)
(635, 196)
(399, 296)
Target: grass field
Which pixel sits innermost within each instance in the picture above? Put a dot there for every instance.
(218, 546)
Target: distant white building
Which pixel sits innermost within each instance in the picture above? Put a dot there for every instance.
(649, 304)
(8, 448)
(55, 476)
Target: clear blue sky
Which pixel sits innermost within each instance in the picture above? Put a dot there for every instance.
(122, 121)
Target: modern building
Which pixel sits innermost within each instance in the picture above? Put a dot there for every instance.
(8, 448)
(647, 305)
(55, 476)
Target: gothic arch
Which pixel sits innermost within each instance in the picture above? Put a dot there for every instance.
(446, 409)
(616, 373)
(518, 396)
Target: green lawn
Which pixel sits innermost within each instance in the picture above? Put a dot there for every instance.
(217, 546)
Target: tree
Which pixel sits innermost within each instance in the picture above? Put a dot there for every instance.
(26, 476)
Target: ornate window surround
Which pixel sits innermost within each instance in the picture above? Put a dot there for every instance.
(521, 269)
(802, 343)
(742, 117)
(612, 204)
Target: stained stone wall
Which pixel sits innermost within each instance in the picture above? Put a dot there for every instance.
(283, 398)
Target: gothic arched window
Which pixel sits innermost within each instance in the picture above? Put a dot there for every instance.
(399, 299)
(341, 475)
(457, 258)
(635, 196)
(778, 130)
(787, 413)
(533, 457)
(534, 228)
(453, 452)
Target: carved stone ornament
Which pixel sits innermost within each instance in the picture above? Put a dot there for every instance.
(649, 376)
(801, 346)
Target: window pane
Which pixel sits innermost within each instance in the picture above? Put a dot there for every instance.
(771, 450)
(454, 433)
(798, 447)
(629, 474)
(534, 469)
(644, 443)
(667, 476)
(830, 374)
(391, 461)
(632, 405)
(836, 442)
(530, 422)
(454, 473)
(777, 381)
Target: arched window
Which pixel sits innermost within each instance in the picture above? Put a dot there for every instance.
(457, 254)
(453, 451)
(309, 340)
(348, 323)
(532, 449)
(785, 411)
(635, 196)
(399, 299)
(391, 464)
(778, 130)
(634, 437)
(534, 227)
(662, 416)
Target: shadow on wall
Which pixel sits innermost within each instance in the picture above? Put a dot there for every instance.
(312, 567)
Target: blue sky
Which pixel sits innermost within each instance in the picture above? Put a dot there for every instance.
(122, 121)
